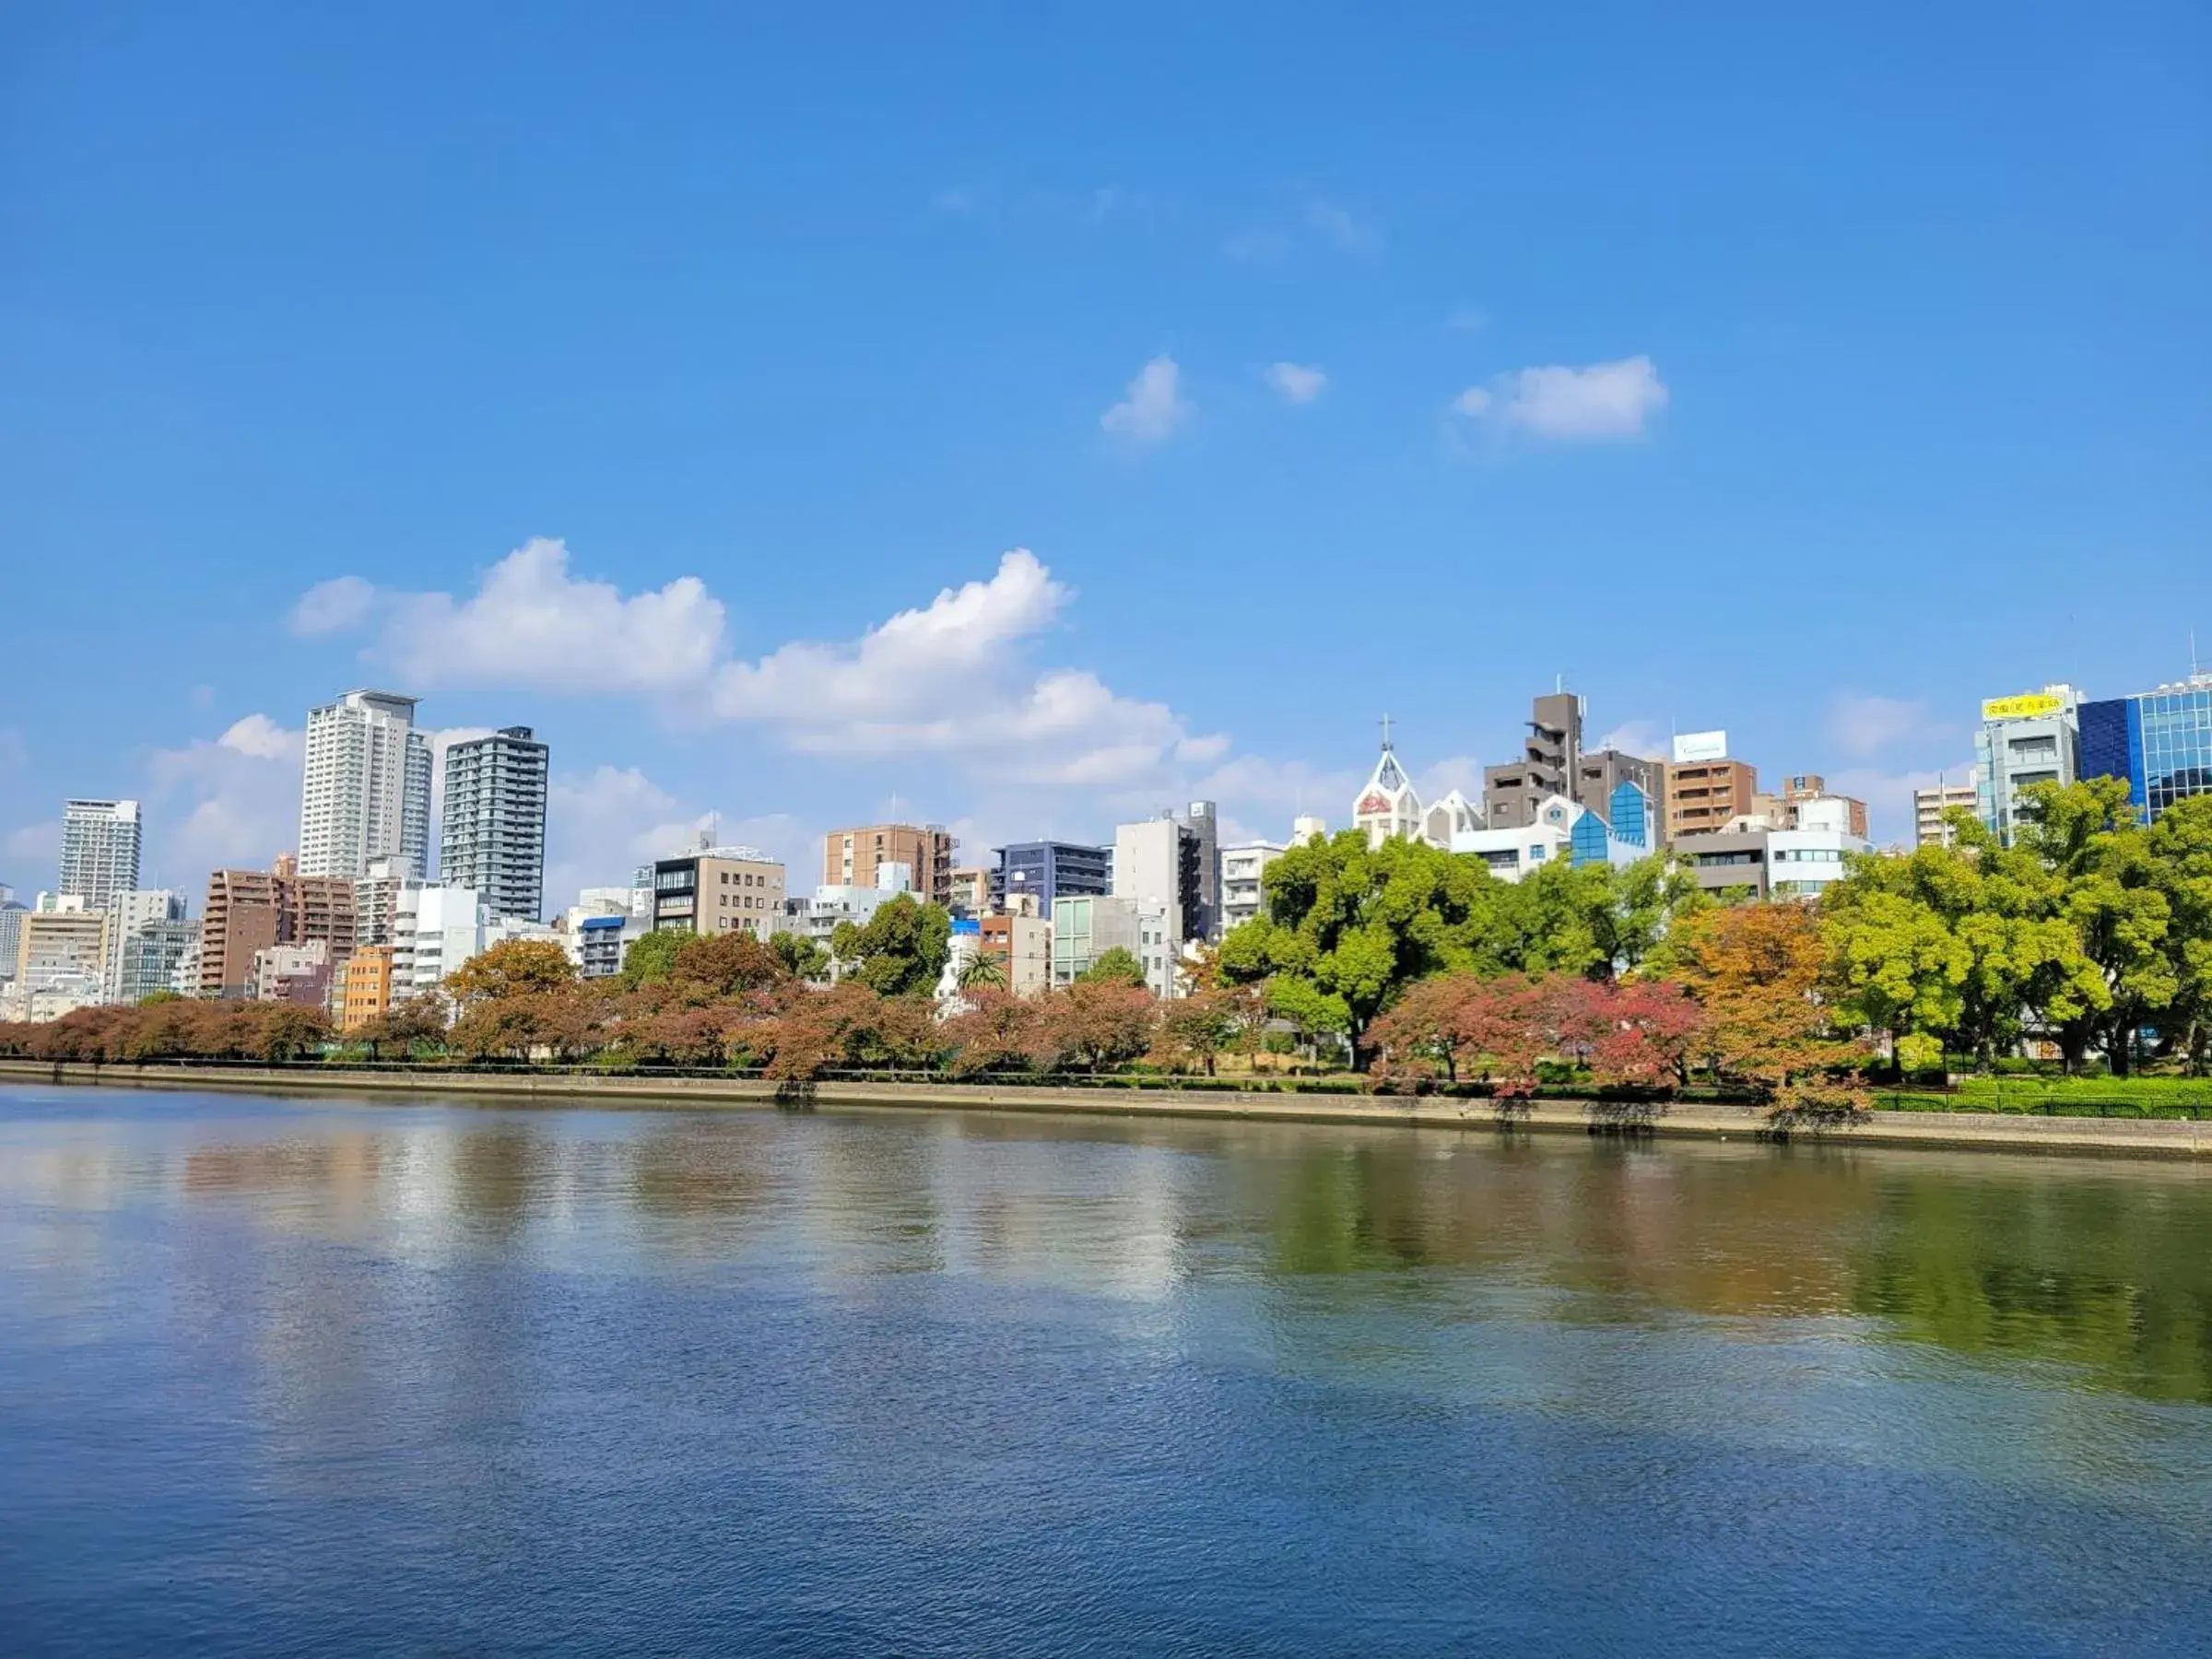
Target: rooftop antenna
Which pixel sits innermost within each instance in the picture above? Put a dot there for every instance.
(1386, 731)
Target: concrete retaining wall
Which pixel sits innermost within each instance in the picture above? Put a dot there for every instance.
(2126, 1136)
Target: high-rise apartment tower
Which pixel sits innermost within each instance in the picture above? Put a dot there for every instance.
(366, 792)
(99, 850)
(493, 839)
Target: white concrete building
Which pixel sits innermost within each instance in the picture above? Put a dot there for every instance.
(1156, 865)
(1242, 867)
(147, 934)
(434, 930)
(1511, 853)
(99, 850)
(366, 790)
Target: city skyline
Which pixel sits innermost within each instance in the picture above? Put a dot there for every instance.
(1411, 409)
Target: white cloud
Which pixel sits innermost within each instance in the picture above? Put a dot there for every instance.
(601, 824)
(1564, 405)
(1640, 737)
(531, 623)
(949, 678)
(342, 604)
(263, 739)
(1468, 319)
(1867, 725)
(1154, 407)
(230, 801)
(1297, 383)
(946, 679)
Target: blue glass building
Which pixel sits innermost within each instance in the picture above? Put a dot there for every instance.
(2160, 741)
(1625, 840)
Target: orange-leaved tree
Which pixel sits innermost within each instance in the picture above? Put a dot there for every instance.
(1757, 973)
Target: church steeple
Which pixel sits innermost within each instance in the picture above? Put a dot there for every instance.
(1387, 807)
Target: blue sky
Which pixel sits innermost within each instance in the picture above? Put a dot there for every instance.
(1807, 376)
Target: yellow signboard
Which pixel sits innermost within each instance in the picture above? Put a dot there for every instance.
(2021, 708)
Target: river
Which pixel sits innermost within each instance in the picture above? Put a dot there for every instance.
(319, 1376)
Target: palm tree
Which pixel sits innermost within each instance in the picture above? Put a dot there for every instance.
(982, 970)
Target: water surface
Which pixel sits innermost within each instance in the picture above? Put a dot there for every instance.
(326, 1376)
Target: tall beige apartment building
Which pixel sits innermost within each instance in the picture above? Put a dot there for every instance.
(1702, 796)
(850, 857)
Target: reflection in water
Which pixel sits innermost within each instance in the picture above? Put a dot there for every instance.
(473, 1313)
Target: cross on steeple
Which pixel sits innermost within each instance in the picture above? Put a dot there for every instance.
(1385, 731)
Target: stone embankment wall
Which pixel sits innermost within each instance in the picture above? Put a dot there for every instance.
(2127, 1137)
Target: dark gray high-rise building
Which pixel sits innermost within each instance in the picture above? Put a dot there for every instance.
(1553, 762)
(1200, 820)
(494, 832)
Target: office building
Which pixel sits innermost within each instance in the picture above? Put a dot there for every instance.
(365, 793)
(1085, 928)
(364, 988)
(1156, 863)
(2032, 738)
(971, 890)
(1777, 863)
(249, 910)
(719, 889)
(1243, 869)
(99, 850)
(1929, 804)
(147, 935)
(492, 839)
(1043, 872)
(2160, 741)
(1022, 947)
(151, 957)
(850, 857)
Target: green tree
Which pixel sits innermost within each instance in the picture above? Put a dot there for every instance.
(901, 950)
(2087, 838)
(1116, 966)
(802, 958)
(1348, 927)
(652, 960)
(2182, 843)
